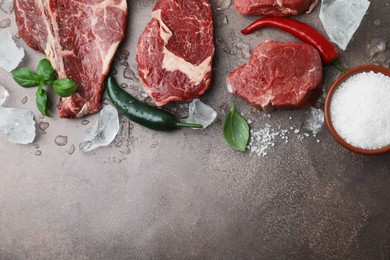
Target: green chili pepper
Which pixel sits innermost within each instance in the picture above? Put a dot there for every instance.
(141, 113)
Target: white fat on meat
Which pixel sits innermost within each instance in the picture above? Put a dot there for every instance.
(171, 62)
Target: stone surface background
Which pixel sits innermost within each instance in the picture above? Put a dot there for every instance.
(186, 194)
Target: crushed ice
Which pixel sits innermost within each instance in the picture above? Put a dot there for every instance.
(3, 95)
(201, 113)
(10, 54)
(17, 125)
(313, 120)
(103, 132)
(341, 18)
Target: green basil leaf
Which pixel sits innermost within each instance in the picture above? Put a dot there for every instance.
(64, 87)
(46, 72)
(25, 77)
(236, 130)
(41, 101)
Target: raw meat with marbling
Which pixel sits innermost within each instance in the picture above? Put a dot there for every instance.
(175, 51)
(80, 38)
(275, 7)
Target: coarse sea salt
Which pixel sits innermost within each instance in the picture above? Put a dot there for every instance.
(360, 110)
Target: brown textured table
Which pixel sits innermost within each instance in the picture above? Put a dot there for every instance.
(187, 194)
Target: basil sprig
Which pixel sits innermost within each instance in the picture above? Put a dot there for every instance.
(45, 75)
(236, 130)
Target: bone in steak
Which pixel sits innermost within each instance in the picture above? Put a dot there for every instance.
(175, 51)
(278, 74)
(275, 7)
(79, 38)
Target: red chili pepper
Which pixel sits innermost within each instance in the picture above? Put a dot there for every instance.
(302, 31)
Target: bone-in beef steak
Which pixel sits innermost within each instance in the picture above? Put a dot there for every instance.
(176, 49)
(274, 7)
(80, 38)
(278, 74)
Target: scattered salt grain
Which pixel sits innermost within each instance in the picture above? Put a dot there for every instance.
(10, 54)
(360, 110)
(262, 139)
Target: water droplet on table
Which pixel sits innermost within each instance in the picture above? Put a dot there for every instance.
(36, 146)
(122, 54)
(71, 150)
(5, 23)
(124, 85)
(43, 125)
(128, 73)
(38, 153)
(24, 100)
(85, 122)
(61, 140)
(125, 150)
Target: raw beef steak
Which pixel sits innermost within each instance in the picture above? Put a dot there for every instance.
(275, 7)
(176, 49)
(278, 74)
(80, 38)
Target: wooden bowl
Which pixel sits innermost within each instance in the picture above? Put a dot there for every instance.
(335, 85)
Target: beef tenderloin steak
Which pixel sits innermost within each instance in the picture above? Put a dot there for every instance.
(175, 51)
(275, 7)
(278, 74)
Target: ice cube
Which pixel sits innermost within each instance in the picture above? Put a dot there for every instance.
(200, 113)
(104, 131)
(17, 125)
(313, 120)
(10, 54)
(341, 18)
(3, 94)
(6, 6)
(223, 4)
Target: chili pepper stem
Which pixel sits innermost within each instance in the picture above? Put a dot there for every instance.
(338, 66)
(198, 126)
